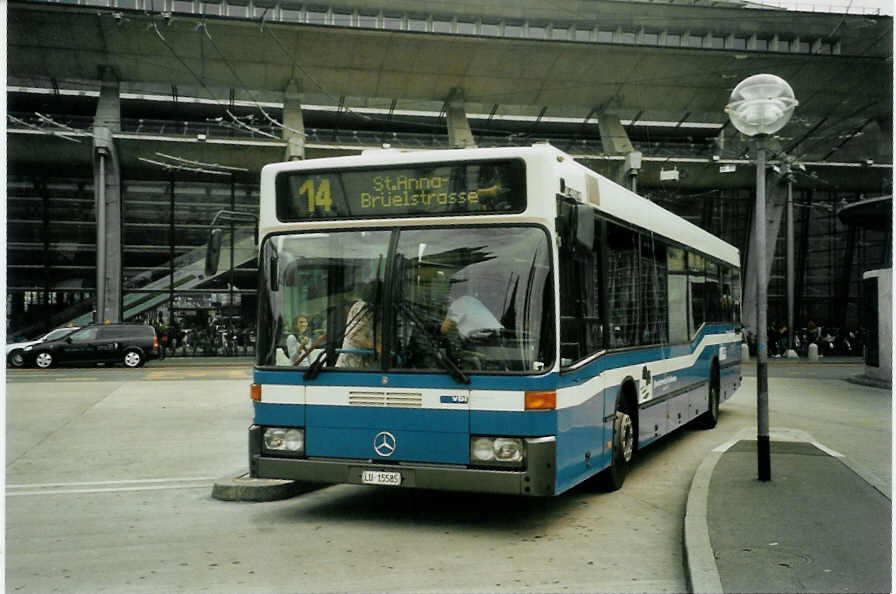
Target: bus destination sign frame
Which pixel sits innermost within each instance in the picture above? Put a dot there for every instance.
(442, 188)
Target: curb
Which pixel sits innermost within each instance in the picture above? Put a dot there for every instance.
(867, 380)
(242, 487)
(700, 562)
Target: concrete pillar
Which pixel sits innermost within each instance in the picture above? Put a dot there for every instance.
(878, 287)
(615, 141)
(107, 192)
(776, 201)
(293, 122)
(459, 133)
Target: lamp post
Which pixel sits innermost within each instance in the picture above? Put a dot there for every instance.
(759, 106)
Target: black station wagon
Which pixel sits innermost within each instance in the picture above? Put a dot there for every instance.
(130, 344)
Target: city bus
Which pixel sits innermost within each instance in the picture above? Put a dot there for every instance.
(499, 320)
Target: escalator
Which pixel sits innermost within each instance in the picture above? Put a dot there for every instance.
(189, 273)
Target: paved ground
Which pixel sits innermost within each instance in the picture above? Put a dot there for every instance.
(823, 523)
(109, 476)
(817, 527)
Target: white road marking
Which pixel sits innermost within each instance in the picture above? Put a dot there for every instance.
(111, 490)
(120, 486)
(120, 482)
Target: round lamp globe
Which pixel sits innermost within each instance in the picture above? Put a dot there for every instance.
(761, 104)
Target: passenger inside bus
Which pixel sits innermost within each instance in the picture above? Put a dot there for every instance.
(359, 346)
(298, 343)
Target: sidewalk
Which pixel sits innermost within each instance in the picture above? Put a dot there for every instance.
(817, 526)
(202, 362)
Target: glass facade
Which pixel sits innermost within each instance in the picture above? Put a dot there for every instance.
(51, 260)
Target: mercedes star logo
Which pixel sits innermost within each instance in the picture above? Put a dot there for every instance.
(384, 444)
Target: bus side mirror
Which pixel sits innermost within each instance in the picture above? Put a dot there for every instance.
(584, 240)
(213, 252)
(575, 225)
(275, 273)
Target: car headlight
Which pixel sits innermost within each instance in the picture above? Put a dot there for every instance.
(29, 348)
(501, 452)
(284, 440)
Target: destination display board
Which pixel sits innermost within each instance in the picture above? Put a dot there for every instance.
(428, 189)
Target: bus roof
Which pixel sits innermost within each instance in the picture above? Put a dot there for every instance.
(587, 186)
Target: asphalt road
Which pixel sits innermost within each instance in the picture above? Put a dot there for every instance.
(109, 476)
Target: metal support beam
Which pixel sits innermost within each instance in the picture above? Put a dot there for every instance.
(615, 141)
(791, 352)
(107, 190)
(293, 122)
(841, 303)
(802, 263)
(459, 133)
(613, 136)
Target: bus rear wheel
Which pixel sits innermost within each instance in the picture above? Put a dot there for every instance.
(710, 418)
(623, 447)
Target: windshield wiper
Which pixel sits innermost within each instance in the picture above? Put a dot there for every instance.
(447, 363)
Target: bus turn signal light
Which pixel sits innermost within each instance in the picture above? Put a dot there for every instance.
(255, 392)
(541, 400)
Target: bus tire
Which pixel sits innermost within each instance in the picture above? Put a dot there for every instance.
(621, 455)
(710, 418)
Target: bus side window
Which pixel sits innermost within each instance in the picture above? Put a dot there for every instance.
(677, 295)
(696, 291)
(623, 285)
(581, 326)
(713, 293)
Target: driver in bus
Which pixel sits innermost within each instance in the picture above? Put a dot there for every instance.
(471, 318)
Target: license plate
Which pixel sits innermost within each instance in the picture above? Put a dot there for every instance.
(381, 477)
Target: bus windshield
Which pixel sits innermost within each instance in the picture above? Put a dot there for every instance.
(459, 299)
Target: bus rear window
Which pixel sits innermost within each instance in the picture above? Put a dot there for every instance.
(428, 189)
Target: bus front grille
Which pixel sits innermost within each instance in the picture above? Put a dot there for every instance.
(388, 399)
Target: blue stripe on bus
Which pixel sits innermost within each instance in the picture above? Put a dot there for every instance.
(410, 446)
(506, 423)
(492, 382)
(442, 436)
(279, 415)
(386, 418)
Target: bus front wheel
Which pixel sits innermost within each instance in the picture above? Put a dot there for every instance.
(621, 455)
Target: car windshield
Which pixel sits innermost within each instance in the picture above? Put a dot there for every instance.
(459, 299)
(57, 334)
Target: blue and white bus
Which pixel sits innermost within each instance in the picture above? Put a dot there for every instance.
(497, 320)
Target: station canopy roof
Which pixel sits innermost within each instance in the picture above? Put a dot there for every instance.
(527, 72)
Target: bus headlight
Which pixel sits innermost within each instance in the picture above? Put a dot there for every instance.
(284, 440)
(507, 452)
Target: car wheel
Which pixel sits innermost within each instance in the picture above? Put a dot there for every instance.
(44, 360)
(133, 359)
(16, 358)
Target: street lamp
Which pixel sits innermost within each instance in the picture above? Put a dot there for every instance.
(761, 105)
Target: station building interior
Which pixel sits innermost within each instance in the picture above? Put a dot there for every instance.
(164, 112)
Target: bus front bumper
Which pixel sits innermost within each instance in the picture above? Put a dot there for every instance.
(537, 479)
